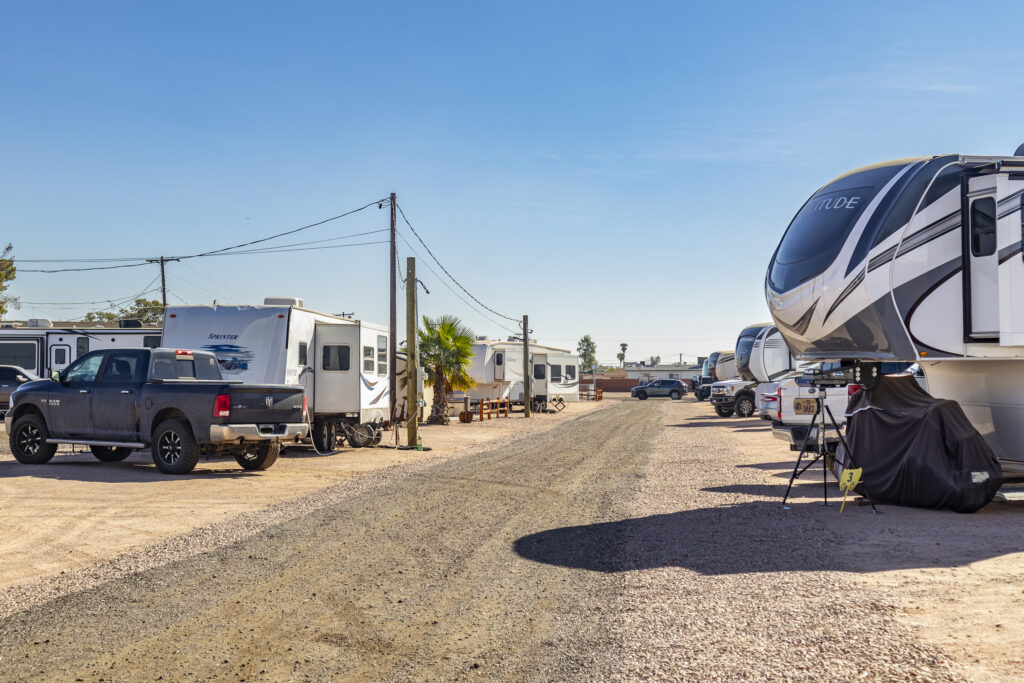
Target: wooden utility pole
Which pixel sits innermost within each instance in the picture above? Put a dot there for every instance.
(163, 277)
(412, 356)
(527, 375)
(392, 346)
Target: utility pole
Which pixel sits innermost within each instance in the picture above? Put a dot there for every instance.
(163, 277)
(527, 376)
(393, 352)
(412, 365)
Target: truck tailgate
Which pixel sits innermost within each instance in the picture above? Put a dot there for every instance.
(265, 404)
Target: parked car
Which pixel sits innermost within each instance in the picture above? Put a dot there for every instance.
(172, 401)
(673, 388)
(12, 377)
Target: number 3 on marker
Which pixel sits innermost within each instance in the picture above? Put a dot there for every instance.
(848, 482)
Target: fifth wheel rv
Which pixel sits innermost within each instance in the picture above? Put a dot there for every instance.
(916, 260)
(43, 348)
(341, 363)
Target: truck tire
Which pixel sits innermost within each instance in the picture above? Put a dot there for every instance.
(324, 436)
(361, 435)
(28, 440)
(175, 450)
(109, 453)
(723, 411)
(642, 395)
(744, 406)
(675, 395)
(259, 457)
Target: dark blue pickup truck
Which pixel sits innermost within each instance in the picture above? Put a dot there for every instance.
(172, 401)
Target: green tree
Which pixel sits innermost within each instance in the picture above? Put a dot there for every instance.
(621, 355)
(587, 351)
(7, 272)
(654, 360)
(149, 311)
(446, 352)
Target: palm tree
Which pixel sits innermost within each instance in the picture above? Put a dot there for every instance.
(446, 352)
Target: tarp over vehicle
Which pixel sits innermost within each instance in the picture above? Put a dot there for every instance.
(918, 450)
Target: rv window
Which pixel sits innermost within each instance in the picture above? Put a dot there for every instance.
(382, 355)
(336, 358)
(538, 371)
(570, 372)
(499, 358)
(367, 359)
(303, 353)
(556, 373)
(81, 346)
(151, 341)
(22, 354)
(60, 356)
(983, 227)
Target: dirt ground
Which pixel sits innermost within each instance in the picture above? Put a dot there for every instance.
(644, 542)
(75, 510)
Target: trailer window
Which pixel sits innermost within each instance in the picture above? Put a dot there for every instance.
(336, 358)
(81, 346)
(382, 355)
(556, 373)
(538, 371)
(499, 359)
(570, 372)
(151, 341)
(303, 353)
(367, 359)
(983, 227)
(22, 354)
(60, 355)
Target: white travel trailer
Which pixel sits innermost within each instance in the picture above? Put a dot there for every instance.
(43, 348)
(725, 366)
(916, 260)
(498, 370)
(342, 363)
(555, 373)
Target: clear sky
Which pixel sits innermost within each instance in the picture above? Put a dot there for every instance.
(618, 169)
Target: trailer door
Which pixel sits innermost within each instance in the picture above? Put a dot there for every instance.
(60, 356)
(336, 367)
(981, 260)
(499, 366)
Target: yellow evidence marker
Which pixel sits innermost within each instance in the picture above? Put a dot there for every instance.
(848, 482)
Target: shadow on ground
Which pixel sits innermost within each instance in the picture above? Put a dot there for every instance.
(137, 468)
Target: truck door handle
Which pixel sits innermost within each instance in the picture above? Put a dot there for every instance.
(126, 391)
(83, 391)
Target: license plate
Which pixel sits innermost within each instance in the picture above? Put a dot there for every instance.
(805, 406)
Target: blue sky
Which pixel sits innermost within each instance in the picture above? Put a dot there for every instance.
(618, 169)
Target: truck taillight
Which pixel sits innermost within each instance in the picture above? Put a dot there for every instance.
(222, 406)
(852, 389)
(778, 399)
(303, 405)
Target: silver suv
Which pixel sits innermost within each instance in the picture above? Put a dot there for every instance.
(673, 388)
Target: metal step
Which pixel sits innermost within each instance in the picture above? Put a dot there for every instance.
(89, 442)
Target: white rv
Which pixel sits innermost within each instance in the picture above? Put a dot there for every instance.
(555, 373)
(43, 348)
(725, 366)
(497, 369)
(342, 363)
(737, 395)
(916, 260)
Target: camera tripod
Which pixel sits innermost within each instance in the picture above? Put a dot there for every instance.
(820, 410)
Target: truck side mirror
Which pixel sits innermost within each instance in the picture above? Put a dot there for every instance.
(55, 375)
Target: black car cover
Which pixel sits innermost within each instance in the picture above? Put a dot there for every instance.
(917, 450)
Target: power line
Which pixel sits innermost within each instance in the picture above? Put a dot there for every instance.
(515, 320)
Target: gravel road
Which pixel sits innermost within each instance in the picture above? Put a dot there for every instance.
(635, 542)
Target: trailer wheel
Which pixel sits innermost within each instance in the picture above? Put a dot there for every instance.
(723, 411)
(642, 395)
(378, 435)
(258, 457)
(360, 436)
(175, 450)
(744, 406)
(110, 454)
(675, 395)
(28, 440)
(324, 436)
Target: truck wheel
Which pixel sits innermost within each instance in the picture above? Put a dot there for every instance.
(175, 450)
(723, 411)
(642, 395)
(259, 457)
(110, 454)
(378, 435)
(325, 436)
(360, 436)
(675, 395)
(28, 440)
(744, 406)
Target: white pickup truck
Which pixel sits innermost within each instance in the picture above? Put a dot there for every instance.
(792, 427)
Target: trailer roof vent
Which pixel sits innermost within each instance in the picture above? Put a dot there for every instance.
(129, 323)
(483, 337)
(8, 326)
(283, 301)
(39, 322)
(1020, 151)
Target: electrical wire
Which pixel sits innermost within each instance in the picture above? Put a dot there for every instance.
(500, 315)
